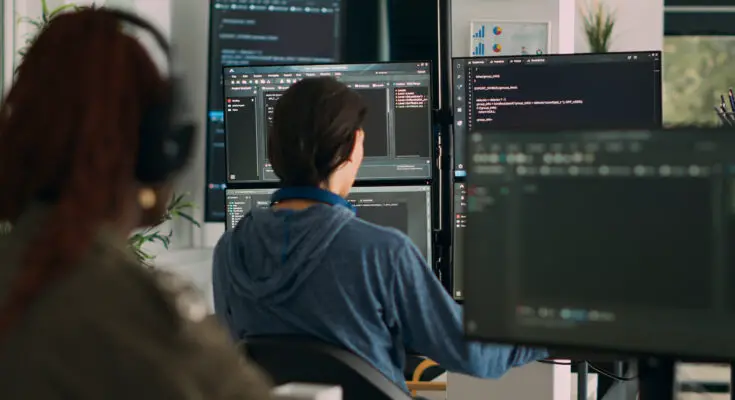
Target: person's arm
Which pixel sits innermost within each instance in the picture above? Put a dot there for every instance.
(220, 287)
(431, 323)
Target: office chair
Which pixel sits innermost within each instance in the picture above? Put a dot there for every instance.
(422, 376)
(289, 358)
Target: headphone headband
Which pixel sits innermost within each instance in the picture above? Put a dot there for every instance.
(130, 18)
(167, 128)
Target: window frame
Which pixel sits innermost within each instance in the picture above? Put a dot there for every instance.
(685, 18)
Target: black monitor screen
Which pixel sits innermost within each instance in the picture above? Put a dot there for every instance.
(406, 208)
(398, 132)
(612, 240)
(252, 32)
(570, 91)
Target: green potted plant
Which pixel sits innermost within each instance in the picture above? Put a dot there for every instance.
(47, 14)
(178, 209)
(598, 21)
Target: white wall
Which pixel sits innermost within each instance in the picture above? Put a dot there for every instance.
(190, 35)
(561, 14)
(9, 23)
(639, 26)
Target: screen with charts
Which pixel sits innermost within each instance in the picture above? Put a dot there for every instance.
(398, 131)
(460, 223)
(566, 91)
(252, 32)
(406, 208)
(611, 239)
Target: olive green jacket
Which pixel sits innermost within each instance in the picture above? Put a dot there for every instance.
(109, 330)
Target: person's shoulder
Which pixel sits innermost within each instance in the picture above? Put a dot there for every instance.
(370, 235)
(391, 245)
(153, 318)
(114, 274)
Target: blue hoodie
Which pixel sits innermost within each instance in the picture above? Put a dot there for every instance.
(324, 273)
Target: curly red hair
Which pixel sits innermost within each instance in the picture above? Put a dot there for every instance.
(68, 136)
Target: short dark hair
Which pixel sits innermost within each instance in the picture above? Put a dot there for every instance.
(314, 130)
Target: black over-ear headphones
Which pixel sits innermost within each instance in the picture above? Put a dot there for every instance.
(167, 127)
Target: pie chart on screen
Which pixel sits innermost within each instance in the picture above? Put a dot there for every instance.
(497, 48)
(497, 30)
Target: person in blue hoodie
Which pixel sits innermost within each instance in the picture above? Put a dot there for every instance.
(309, 266)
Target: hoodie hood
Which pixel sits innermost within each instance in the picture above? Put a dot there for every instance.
(270, 253)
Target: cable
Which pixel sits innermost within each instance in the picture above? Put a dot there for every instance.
(610, 374)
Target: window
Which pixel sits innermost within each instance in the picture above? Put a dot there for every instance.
(699, 51)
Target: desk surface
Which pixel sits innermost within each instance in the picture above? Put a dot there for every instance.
(591, 356)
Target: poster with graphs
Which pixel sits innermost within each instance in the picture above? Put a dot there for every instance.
(509, 38)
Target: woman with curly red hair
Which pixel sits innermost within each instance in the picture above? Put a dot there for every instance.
(79, 318)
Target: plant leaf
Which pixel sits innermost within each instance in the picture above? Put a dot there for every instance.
(44, 10)
(190, 219)
(176, 200)
(58, 10)
(29, 20)
(177, 208)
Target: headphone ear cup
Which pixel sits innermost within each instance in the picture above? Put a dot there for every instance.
(166, 141)
(151, 166)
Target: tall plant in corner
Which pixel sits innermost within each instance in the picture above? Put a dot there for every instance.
(178, 209)
(598, 22)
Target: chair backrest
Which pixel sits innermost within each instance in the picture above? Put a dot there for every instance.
(297, 359)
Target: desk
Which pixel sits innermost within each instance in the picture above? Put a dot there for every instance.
(535, 381)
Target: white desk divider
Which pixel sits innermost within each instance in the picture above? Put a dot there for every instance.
(307, 391)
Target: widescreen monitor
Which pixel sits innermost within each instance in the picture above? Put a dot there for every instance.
(565, 91)
(406, 208)
(252, 32)
(398, 130)
(610, 240)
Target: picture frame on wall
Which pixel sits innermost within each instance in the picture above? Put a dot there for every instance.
(490, 38)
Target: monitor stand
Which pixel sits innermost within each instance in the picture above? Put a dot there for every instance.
(657, 379)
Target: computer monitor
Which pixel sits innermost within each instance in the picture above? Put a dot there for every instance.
(459, 219)
(251, 32)
(398, 130)
(406, 208)
(621, 241)
(565, 91)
